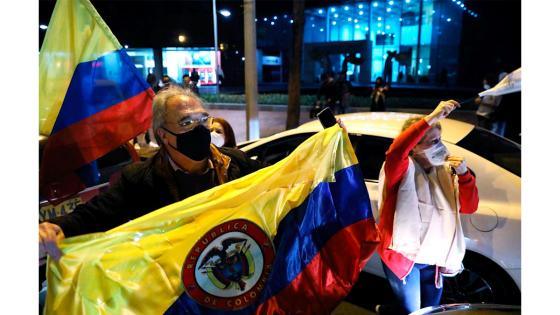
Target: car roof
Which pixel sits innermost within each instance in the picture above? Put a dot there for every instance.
(388, 124)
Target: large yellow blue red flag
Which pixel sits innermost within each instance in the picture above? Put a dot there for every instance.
(288, 239)
(91, 96)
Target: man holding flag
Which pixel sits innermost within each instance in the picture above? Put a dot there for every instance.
(186, 164)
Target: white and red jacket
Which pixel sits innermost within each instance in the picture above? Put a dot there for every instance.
(400, 191)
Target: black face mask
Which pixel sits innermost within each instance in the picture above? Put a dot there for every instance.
(195, 144)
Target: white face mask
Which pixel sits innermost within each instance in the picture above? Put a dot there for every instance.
(217, 139)
(436, 154)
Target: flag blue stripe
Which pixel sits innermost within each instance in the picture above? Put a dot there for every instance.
(97, 85)
(302, 233)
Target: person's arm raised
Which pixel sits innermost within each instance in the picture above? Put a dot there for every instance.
(443, 110)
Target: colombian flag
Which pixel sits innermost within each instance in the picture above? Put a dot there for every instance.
(288, 239)
(91, 97)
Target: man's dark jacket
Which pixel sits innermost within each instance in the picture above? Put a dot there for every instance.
(147, 186)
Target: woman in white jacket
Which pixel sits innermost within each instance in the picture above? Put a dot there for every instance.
(424, 190)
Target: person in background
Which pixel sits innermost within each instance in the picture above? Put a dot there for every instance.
(423, 190)
(343, 88)
(378, 96)
(152, 81)
(195, 77)
(487, 105)
(328, 90)
(188, 84)
(222, 134)
(166, 82)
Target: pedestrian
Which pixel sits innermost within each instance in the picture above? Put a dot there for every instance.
(343, 89)
(328, 90)
(222, 133)
(195, 77)
(378, 96)
(188, 84)
(423, 190)
(488, 104)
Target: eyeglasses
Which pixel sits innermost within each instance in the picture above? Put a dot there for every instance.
(189, 123)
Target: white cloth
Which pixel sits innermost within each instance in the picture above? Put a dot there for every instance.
(427, 227)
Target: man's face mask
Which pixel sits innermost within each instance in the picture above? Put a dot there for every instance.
(217, 139)
(195, 144)
(436, 155)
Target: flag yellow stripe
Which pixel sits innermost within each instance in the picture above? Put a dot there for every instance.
(143, 258)
(76, 34)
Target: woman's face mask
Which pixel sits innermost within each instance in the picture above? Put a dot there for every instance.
(217, 139)
(436, 155)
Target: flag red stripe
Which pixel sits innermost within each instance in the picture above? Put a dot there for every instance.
(329, 276)
(94, 136)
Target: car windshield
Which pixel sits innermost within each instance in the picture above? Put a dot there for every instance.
(496, 149)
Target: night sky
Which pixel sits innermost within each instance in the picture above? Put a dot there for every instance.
(490, 43)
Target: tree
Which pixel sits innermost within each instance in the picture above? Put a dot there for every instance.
(294, 81)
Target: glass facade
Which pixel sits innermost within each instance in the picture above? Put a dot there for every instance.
(405, 40)
(143, 59)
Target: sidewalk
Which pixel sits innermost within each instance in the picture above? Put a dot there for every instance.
(272, 118)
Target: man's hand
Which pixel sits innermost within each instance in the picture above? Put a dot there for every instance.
(443, 109)
(341, 124)
(49, 236)
(458, 164)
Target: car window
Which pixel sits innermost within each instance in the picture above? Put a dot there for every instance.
(496, 149)
(370, 151)
(276, 150)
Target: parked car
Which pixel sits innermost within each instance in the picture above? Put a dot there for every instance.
(493, 234)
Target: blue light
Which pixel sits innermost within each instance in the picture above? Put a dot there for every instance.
(361, 13)
(225, 13)
(355, 20)
(320, 30)
(272, 23)
(285, 16)
(379, 18)
(291, 21)
(333, 22)
(256, 20)
(349, 19)
(312, 25)
(367, 28)
(333, 10)
(388, 27)
(276, 18)
(379, 24)
(388, 9)
(265, 19)
(448, 19)
(357, 25)
(378, 32)
(375, 4)
(320, 11)
(361, 6)
(335, 15)
(346, 8)
(43, 27)
(391, 3)
(408, 1)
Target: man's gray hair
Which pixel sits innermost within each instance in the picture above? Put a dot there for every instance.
(159, 105)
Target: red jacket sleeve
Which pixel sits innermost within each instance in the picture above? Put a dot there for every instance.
(396, 158)
(468, 193)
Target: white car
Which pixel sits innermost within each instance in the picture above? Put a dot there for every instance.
(493, 234)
